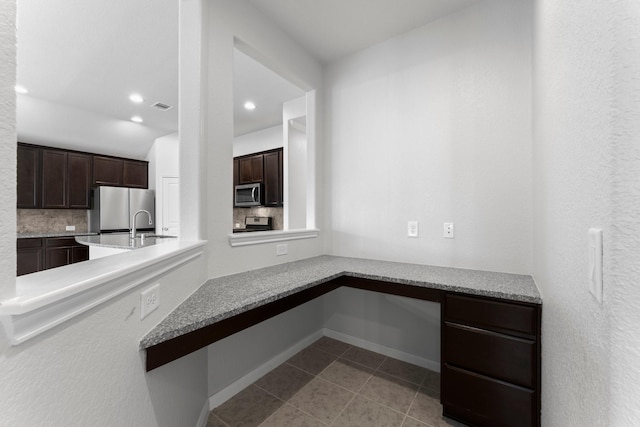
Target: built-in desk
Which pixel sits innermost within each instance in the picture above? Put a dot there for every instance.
(490, 322)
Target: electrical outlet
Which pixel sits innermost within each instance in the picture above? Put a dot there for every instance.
(448, 230)
(149, 300)
(412, 229)
(281, 249)
(71, 228)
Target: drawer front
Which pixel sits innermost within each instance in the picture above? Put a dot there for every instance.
(483, 401)
(492, 314)
(500, 356)
(29, 243)
(61, 241)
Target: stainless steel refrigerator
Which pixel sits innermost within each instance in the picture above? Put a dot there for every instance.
(112, 209)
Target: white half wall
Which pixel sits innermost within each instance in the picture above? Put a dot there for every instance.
(586, 164)
(434, 126)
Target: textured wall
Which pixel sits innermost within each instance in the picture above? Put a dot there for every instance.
(435, 126)
(586, 165)
(7, 146)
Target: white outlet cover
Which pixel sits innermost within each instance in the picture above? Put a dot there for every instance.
(281, 249)
(71, 228)
(412, 229)
(449, 231)
(149, 300)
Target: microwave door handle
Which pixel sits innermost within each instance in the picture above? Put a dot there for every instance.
(253, 193)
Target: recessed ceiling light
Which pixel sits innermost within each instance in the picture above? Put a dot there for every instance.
(134, 97)
(136, 119)
(21, 89)
(249, 105)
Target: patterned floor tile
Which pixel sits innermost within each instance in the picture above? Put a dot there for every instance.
(322, 399)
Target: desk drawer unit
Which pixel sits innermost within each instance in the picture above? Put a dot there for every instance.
(491, 361)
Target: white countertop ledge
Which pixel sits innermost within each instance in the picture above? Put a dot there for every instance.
(50, 297)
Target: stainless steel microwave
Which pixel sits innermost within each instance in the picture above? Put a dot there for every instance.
(248, 195)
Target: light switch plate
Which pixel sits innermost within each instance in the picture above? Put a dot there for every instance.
(595, 263)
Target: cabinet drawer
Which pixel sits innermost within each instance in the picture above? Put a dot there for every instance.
(500, 356)
(483, 401)
(497, 315)
(61, 241)
(35, 242)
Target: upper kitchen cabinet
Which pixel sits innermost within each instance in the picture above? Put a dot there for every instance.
(250, 169)
(273, 178)
(54, 179)
(135, 174)
(79, 181)
(28, 177)
(117, 172)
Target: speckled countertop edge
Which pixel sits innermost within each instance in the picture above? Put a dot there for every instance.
(53, 234)
(220, 298)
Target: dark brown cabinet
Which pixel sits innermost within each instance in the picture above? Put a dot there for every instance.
(250, 169)
(79, 181)
(273, 178)
(30, 256)
(491, 361)
(265, 167)
(54, 179)
(116, 171)
(28, 177)
(107, 171)
(135, 173)
(39, 254)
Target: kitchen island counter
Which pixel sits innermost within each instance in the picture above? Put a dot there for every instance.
(223, 298)
(122, 240)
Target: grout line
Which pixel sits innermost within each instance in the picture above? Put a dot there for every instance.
(343, 409)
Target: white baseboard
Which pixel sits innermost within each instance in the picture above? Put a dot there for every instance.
(387, 351)
(204, 415)
(232, 389)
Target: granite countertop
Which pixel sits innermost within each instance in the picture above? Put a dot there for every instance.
(123, 241)
(224, 297)
(54, 234)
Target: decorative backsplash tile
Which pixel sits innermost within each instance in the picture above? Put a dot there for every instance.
(50, 220)
(277, 214)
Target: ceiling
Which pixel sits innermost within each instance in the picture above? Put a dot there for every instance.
(332, 29)
(81, 60)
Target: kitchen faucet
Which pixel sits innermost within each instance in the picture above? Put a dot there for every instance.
(133, 222)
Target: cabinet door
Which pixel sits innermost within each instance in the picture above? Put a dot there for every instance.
(30, 256)
(107, 170)
(250, 169)
(79, 253)
(28, 179)
(57, 257)
(273, 179)
(79, 180)
(54, 179)
(135, 174)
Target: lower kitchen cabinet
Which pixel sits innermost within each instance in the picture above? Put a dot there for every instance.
(490, 361)
(44, 253)
(30, 256)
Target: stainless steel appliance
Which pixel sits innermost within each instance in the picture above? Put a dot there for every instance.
(248, 195)
(256, 223)
(112, 209)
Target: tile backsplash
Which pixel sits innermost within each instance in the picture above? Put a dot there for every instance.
(277, 214)
(50, 220)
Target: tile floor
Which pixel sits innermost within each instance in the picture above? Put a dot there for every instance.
(331, 383)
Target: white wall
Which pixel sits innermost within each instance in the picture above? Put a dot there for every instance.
(255, 142)
(435, 126)
(88, 371)
(410, 328)
(586, 164)
(229, 19)
(295, 164)
(164, 161)
(7, 148)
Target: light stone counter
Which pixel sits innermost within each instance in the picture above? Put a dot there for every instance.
(224, 297)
